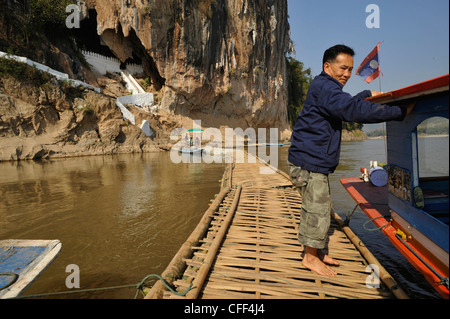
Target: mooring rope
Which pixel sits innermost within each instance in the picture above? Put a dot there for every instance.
(139, 287)
(12, 281)
(349, 216)
(443, 281)
(373, 229)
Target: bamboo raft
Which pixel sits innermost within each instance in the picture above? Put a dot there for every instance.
(246, 247)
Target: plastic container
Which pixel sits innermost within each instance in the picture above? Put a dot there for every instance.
(378, 176)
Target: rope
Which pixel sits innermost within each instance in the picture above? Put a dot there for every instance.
(347, 219)
(443, 281)
(139, 287)
(373, 229)
(13, 280)
(349, 216)
(141, 284)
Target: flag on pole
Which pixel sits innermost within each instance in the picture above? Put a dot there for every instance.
(369, 69)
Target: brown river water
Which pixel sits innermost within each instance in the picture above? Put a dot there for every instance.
(120, 218)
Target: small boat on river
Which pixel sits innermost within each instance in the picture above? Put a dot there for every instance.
(22, 261)
(191, 150)
(412, 209)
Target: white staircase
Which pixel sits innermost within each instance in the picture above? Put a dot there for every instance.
(131, 82)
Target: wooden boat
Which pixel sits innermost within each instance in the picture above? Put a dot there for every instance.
(191, 150)
(22, 261)
(412, 210)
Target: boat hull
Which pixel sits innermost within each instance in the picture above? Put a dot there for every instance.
(420, 251)
(22, 261)
(414, 214)
(191, 150)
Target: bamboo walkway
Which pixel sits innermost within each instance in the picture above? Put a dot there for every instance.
(246, 247)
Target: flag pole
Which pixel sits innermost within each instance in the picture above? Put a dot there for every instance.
(379, 65)
(379, 81)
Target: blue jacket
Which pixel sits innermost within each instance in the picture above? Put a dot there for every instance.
(316, 137)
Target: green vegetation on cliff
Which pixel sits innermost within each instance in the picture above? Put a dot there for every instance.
(22, 72)
(299, 80)
(47, 12)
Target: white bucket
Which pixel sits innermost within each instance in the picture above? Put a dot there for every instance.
(378, 176)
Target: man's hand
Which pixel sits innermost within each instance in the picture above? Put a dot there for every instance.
(375, 93)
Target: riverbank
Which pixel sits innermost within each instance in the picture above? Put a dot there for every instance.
(420, 135)
(43, 118)
(48, 146)
(45, 146)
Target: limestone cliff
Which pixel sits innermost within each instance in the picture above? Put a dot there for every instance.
(221, 61)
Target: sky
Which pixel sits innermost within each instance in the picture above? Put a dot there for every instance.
(415, 35)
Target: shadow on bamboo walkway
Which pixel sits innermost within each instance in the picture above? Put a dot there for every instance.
(246, 246)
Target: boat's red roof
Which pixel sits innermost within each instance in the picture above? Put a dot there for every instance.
(436, 85)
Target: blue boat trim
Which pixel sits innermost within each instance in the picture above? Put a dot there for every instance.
(418, 204)
(22, 261)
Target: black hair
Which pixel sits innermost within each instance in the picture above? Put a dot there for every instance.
(331, 54)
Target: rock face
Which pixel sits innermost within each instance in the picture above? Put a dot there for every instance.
(220, 61)
(56, 120)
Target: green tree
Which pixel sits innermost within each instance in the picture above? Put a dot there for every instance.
(351, 126)
(48, 12)
(39, 15)
(299, 80)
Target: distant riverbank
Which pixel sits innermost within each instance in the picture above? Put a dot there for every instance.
(421, 135)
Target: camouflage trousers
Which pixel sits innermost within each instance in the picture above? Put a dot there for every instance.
(316, 206)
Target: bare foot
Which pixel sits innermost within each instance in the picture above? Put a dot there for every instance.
(313, 262)
(327, 259)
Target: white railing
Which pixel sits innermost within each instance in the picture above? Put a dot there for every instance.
(126, 114)
(139, 98)
(131, 82)
(59, 75)
(104, 64)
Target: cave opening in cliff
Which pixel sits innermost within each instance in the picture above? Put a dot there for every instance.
(86, 36)
(88, 39)
(148, 63)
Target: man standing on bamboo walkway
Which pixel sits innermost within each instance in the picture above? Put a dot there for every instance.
(316, 145)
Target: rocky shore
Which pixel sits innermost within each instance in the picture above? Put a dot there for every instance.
(223, 63)
(57, 120)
